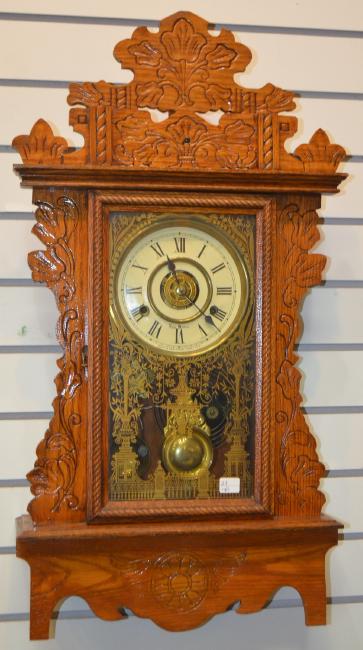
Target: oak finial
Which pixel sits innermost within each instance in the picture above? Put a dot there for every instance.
(320, 154)
(41, 146)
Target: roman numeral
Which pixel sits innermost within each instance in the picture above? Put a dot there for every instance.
(179, 338)
(139, 312)
(157, 249)
(219, 267)
(138, 266)
(180, 244)
(224, 291)
(202, 330)
(155, 329)
(219, 313)
(133, 290)
(202, 250)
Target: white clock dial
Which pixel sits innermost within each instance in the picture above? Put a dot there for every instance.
(181, 289)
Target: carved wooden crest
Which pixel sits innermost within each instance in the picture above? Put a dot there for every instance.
(183, 72)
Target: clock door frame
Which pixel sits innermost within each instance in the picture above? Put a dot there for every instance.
(99, 507)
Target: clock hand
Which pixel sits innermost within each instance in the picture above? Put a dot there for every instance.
(210, 320)
(207, 318)
(172, 268)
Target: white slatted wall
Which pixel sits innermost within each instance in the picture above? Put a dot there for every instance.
(313, 47)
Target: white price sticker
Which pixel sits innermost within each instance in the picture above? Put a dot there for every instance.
(229, 485)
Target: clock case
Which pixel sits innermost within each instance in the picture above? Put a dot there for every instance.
(177, 562)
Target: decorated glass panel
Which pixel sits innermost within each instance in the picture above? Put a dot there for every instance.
(181, 355)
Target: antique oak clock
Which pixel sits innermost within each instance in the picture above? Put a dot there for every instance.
(177, 475)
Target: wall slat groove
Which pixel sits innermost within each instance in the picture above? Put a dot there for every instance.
(33, 349)
(342, 284)
(329, 284)
(282, 14)
(332, 409)
(61, 83)
(306, 347)
(132, 22)
(323, 220)
(339, 221)
(13, 483)
(330, 473)
(11, 550)
(344, 473)
(302, 347)
(286, 603)
(18, 282)
(29, 415)
(17, 216)
(7, 148)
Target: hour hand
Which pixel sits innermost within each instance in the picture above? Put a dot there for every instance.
(172, 268)
(170, 263)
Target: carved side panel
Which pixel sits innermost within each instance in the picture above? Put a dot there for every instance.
(58, 478)
(298, 469)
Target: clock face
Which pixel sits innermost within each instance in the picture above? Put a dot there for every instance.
(181, 289)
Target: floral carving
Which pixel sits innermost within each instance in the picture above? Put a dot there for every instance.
(55, 264)
(185, 142)
(181, 581)
(54, 472)
(183, 65)
(303, 270)
(275, 100)
(298, 458)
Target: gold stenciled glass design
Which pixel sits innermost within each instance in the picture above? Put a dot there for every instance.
(181, 355)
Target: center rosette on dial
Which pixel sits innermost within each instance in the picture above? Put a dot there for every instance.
(179, 290)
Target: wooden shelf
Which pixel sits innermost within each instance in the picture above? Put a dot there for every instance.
(175, 575)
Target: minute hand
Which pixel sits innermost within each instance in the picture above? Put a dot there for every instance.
(208, 318)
